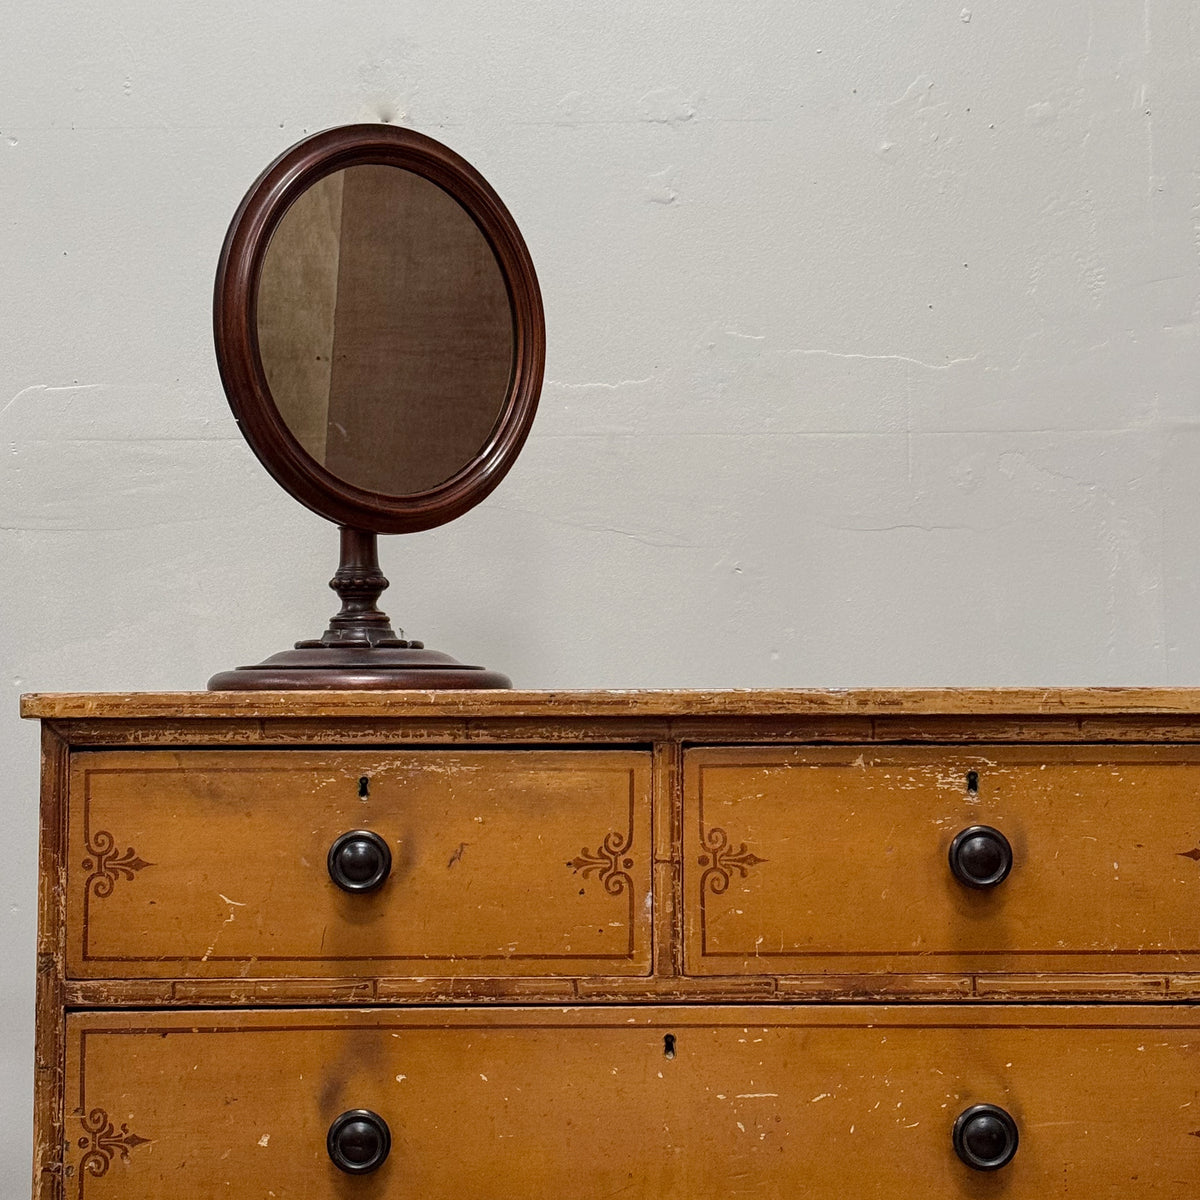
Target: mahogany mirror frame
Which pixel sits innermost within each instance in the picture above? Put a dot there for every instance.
(235, 327)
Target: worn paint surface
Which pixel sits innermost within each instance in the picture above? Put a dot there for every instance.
(815, 860)
(872, 335)
(199, 864)
(751, 1103)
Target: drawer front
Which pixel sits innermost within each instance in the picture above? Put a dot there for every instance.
(761, 1102)
(503, 863)
(838, 860)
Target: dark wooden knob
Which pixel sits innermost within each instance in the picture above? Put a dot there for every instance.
(985, 1137)
(358, 1141)
(980, 857)
(359, 861)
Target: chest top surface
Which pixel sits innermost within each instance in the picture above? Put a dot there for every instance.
(750, 702)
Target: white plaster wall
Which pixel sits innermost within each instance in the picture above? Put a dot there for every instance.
(872, 352)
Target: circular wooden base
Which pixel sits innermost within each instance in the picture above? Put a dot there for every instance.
(348, 667)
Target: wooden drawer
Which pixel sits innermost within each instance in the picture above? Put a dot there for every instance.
(836, 860)
(824, 1102)
(504, 863)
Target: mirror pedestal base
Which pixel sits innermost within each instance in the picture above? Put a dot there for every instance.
(359, 649)
(352, 667)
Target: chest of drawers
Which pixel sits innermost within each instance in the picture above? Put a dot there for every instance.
(656, 944)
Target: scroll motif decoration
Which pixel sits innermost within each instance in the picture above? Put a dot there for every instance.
(610, 862)
(107, 865)
(104, 1142)
(722, 860)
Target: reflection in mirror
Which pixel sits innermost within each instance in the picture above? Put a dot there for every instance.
(385, 329)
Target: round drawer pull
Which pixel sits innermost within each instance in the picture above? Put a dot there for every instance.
(981, 857)
(985, 1137)
(358, 1141)
(359, 861)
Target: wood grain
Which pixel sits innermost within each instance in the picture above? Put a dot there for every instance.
(49, 1046)
(902, 702)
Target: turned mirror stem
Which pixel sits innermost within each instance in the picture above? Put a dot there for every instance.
(359, 582)
(359, 649)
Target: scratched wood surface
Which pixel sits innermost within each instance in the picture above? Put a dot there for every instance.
(803, 860)
(906, 702)
(49, 1046)
(213, 863)
(755, 1102)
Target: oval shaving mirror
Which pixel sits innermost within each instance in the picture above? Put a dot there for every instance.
(380, 337)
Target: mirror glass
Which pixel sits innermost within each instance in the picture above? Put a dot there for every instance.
(385, 329)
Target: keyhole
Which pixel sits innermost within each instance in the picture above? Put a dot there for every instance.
(668, 1045)
(973, 783)
(364, 786)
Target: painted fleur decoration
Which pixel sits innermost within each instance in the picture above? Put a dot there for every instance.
(722, 861)
(103, 1142)
(107, 864)
(610, 862)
